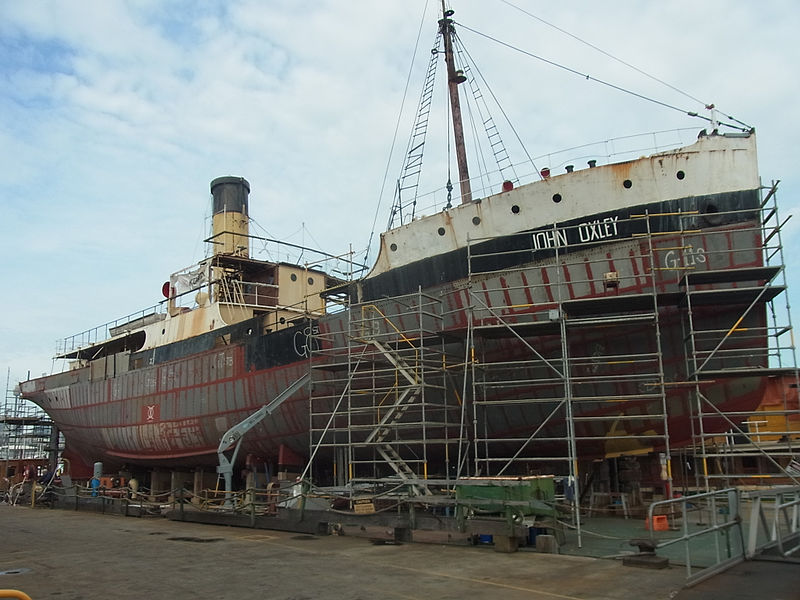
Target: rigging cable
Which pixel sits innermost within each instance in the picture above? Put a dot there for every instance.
(396, 129)
(448, 129)
(595, 79)
(601, 51)
(707, 105)
(499, 106)
(483, 176)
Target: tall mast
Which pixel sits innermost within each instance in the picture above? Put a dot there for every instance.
(453, 79)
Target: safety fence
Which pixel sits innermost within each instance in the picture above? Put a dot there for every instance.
(719, 529)
(142, 501)
(774, 522)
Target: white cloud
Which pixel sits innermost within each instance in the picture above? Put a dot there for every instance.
(115, 116)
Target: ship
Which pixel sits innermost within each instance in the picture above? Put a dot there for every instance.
(589, 313)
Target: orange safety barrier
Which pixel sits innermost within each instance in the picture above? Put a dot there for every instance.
(14, 594)
(660, 523)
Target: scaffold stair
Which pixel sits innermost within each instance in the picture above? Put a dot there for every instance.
(402, 367)
(393, 415)
(399, 466)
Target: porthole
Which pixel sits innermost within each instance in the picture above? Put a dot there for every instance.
(393, 247)
(163, 331)
(440, 231)
(515, 209)
(476, 220)
(310, 281)
(627, 184)
(293, 277)
(556, 198)
(680, 175)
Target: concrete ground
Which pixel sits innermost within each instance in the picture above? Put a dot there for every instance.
(760, 579)
(71, 555)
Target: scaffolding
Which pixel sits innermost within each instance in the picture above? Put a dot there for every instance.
(26, 433)
(601, 362)
(674, 337)
(761, 445)
(567, 359)
(381, 405)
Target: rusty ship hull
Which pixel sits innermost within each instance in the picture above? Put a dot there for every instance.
(595, 274)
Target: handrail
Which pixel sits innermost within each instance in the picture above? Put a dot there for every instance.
(612, 150)
(784, 526)
(729, 496)
(782, 512)
(101, 333)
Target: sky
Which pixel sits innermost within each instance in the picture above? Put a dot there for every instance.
(115, 116)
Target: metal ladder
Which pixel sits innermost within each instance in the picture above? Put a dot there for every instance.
(409, 179)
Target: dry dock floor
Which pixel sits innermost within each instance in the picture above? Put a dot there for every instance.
(70, 555)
